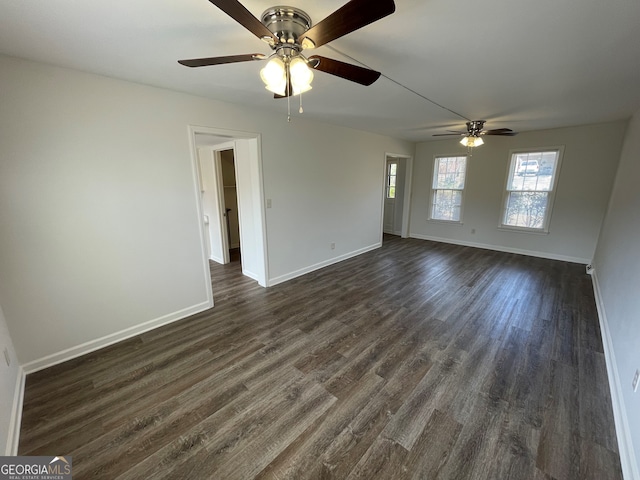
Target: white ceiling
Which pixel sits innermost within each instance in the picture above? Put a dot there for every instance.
(519, 64)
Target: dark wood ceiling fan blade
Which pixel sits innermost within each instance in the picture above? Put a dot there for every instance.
(244, 17)
(204, 62)
(348, 18)
(354, 73)
(449, 134)
(500, 131)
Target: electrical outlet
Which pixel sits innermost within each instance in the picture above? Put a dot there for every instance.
(268, 203)
(636, 377)
(7, 357)
(333, 246)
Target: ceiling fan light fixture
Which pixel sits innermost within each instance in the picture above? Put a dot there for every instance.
(301, 75)
(472, 141)
(278, 89)
(274, 75)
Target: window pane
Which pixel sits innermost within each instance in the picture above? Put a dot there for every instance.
(533, 171)
(392, 168)
(446, 205)
(526, 209)
(450, 172)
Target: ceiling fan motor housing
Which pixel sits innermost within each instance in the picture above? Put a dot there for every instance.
(475, 127)
(286, 23)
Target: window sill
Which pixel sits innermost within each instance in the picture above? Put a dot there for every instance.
(444, 222)
(534, 231)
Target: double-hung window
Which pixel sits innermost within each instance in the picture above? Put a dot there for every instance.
(447, 188)
(531, 183)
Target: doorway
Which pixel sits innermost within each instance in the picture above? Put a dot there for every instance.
(396, 204)
(240, 171)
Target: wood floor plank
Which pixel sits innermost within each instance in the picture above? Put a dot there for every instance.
(384, 460)
(347, 448)
(476, 374)
(412, 417)
(596, 419)
(427, 456)
(301, 460)
(418, 360)
(474, 454)
(261, 451)
(559, 450)
(598, 463)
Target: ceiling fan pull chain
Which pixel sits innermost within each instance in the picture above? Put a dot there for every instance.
(300, 110)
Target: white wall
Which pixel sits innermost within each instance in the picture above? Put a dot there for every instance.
(588, 168)
(617, 274)
(9, 390)
(100, 230)
(325, 184)
(98, 207)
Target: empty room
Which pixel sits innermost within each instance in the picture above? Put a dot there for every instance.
(328, 240)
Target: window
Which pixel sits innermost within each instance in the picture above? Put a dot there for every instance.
(447, 187)
(530, 189)
(392, 172)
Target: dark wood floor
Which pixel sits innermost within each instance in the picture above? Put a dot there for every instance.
(417, 360)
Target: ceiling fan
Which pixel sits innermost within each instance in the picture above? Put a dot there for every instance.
(288, 31)
(475, 129)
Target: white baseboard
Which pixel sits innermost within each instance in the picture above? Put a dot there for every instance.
(251, 275)
(216, 259)
(630, 470)
(499, 248)
(13, 435)
(318, 266)
(93, 345)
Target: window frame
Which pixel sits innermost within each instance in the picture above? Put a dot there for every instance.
(511, 168)
(433, 190)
